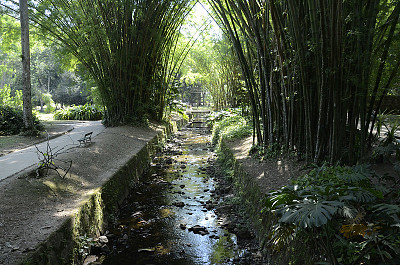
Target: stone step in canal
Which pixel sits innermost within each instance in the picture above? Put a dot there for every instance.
(175, 214)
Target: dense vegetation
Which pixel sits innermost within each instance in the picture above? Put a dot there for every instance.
(11, 114)
(312, 73)
(231, 127)
(315, 71)
(309, 77)
(81, 112)
(12, 122)
(345, 215)
(348, 215)
(53, 71)
(211, 68)
(126, 46)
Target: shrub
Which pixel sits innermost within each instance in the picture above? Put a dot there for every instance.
(7, 99)
(48, 101)
(81, 112)
(12, 121)
(343, 213)
(234, 127)
(217, 116)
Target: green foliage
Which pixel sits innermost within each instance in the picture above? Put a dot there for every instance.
(5, 96)
(391, 125)
(267, 152)
(95, 96)
(211, 66)
(83, 246)
(11, 121)
(344, 211)
(174, 105)
(18, 101)
(7, 99)
(237, 130)
(302, 95)
(388, 144)
(216, 116)
(10, 34)
(65, 84)
(178, 107)
(127, 47)
(48, 101)
(234, 127)
(225, 161)
(85, 112)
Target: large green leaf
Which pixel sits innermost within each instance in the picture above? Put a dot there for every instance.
(389, 209)
(284, 196)
(309, 213)
(358, 173)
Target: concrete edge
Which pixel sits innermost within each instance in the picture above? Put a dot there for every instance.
(99, 209)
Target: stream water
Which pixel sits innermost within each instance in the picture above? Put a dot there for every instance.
(170, 216)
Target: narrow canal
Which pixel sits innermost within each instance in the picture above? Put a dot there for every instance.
(171, 216)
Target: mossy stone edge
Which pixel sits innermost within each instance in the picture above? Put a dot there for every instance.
(100, 208)
(250, 195)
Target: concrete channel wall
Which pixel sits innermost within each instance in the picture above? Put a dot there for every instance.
(250, 195)
(100, 208)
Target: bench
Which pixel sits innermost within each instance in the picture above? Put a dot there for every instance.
(87, 138)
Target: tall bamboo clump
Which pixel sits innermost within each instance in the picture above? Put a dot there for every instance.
(126, 46)
(307, 66)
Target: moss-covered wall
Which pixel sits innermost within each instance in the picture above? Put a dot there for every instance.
(249, 192)
(101, 207)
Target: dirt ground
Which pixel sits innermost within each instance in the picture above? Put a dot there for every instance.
(272, 174)
(269, 174)
(31, 208)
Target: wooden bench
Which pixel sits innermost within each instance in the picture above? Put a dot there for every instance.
(87, 138)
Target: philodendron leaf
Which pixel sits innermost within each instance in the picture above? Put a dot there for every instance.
(309, 213)
(357, 174)
(389, 209)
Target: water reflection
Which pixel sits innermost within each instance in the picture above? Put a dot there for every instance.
(175, 195)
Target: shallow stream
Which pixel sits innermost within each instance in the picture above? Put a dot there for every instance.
(170, 217)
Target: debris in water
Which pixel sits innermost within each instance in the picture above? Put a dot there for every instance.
(146, 250)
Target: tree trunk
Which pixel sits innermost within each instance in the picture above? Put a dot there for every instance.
(48, 84)
(26, 73)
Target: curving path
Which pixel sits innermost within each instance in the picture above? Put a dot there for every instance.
(20, 160)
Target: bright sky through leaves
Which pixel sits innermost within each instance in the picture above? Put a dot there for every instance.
(198, 19)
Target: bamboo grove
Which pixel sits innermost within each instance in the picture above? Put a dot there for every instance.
(126, 45)
(315, 70)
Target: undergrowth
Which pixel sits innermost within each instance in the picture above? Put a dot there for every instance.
(234, 127)
(335, 215)
(12, 122)
(332, 215)
(81, 112)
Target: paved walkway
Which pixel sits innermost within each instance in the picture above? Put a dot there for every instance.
(20, 160)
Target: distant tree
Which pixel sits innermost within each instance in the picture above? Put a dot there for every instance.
(210, 66)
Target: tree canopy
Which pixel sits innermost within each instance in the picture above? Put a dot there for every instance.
(126, 47)
(313, 73)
